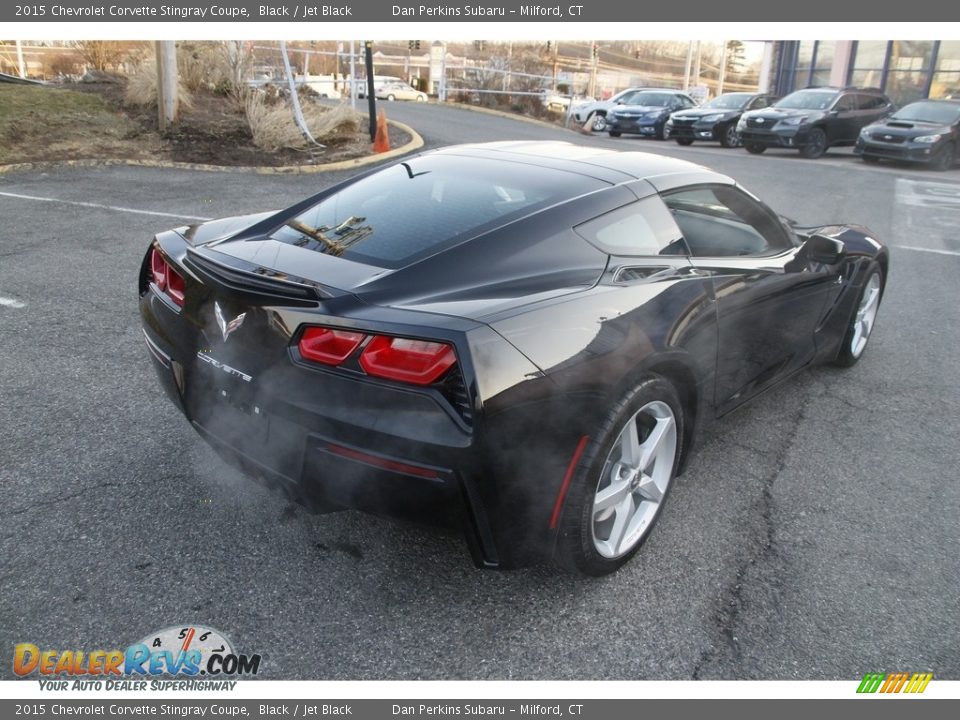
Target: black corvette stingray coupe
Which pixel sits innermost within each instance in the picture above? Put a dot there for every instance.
(521, 339)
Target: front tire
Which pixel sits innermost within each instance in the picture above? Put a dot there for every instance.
(730, 138)
(614, 133)
(755, 148)
(623, 480)
(945, 158)
(864, 318)
(816, 144)
(391, 98)
(684, 141)
(870, 159)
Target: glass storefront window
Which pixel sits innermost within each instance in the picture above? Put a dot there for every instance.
(909, 65)
(867, 66)
(824, 62)
(804, 59)
(946, 79)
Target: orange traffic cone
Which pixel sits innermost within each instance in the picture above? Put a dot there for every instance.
(587, 127)
(381, 141)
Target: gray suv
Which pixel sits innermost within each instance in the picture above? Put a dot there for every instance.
(813, 119)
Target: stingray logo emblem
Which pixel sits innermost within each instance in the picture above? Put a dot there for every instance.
(227, 327)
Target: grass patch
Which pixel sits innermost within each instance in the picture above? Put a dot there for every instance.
(42, 123)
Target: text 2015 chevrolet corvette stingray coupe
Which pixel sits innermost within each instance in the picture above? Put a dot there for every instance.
(519, 338)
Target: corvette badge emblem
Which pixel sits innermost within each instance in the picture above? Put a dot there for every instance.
(227, 327)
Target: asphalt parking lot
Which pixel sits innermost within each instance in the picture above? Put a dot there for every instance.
(814, 535)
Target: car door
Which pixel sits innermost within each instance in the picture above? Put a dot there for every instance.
(769, 297)
(843, 124)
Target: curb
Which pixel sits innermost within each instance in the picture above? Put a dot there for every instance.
(416, 142)
(504, 114)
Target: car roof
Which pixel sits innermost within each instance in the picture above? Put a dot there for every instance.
(613, 166)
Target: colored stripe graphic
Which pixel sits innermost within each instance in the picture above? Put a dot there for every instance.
(894, 682)
(870, 683)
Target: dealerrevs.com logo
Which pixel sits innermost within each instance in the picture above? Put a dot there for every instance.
(199, 658)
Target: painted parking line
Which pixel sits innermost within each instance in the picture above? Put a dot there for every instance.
(11, 302)
(116, 208)
(928, 250)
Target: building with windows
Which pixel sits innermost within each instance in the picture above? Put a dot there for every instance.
(906, 70)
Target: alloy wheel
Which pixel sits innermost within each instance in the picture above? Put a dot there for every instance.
(634, 480)
(866, 316)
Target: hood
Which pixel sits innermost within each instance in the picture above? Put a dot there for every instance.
(775, 114)
(704, 112)
(638, 109)
(908, 128)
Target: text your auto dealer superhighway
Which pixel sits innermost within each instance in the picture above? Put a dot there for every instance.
(145, 11)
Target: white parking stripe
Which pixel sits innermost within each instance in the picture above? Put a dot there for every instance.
(11, 302)
(103, 207)
(929, 250)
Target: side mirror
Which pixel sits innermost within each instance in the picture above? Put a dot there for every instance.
(822, 249)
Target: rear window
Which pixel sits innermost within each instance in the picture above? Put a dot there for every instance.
(419, 207)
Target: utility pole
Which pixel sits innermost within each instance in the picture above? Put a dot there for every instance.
(371, 90)
(696, 66)
(21, 65)
(353, 76)
(168, 100)
(723, 68)
(686, 71)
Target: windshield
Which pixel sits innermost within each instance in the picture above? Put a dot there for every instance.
(420, 206)
(931, 112)
(807, 100)
(730, 101)
(649, 99)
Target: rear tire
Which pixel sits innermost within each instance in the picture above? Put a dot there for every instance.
(755, 148)
(864, 318)
(599, 122)
(623, 480)
(391, 98)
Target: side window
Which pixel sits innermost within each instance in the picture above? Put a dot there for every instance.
(641, 228)
(687, 102)
(871, 102)
(723, 221)
(759, 103)
(846, 102)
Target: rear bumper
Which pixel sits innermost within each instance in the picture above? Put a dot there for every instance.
(332, 442)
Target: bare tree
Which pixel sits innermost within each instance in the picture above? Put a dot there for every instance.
(102, 54)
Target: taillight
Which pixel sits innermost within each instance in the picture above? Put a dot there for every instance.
(328, 346)
(419, 362)
(158, 269)
(166, 278)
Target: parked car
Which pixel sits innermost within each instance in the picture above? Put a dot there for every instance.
(927, 131)
(378, 80)
(400, 91)
(646, 112)
(598, 109)
(520, 339)
(813, 119)
(715, 120)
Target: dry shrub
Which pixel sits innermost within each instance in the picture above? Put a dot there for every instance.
(203, 65)
(273, 127)
(142, 88)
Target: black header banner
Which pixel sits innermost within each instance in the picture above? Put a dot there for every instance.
(381, 11)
